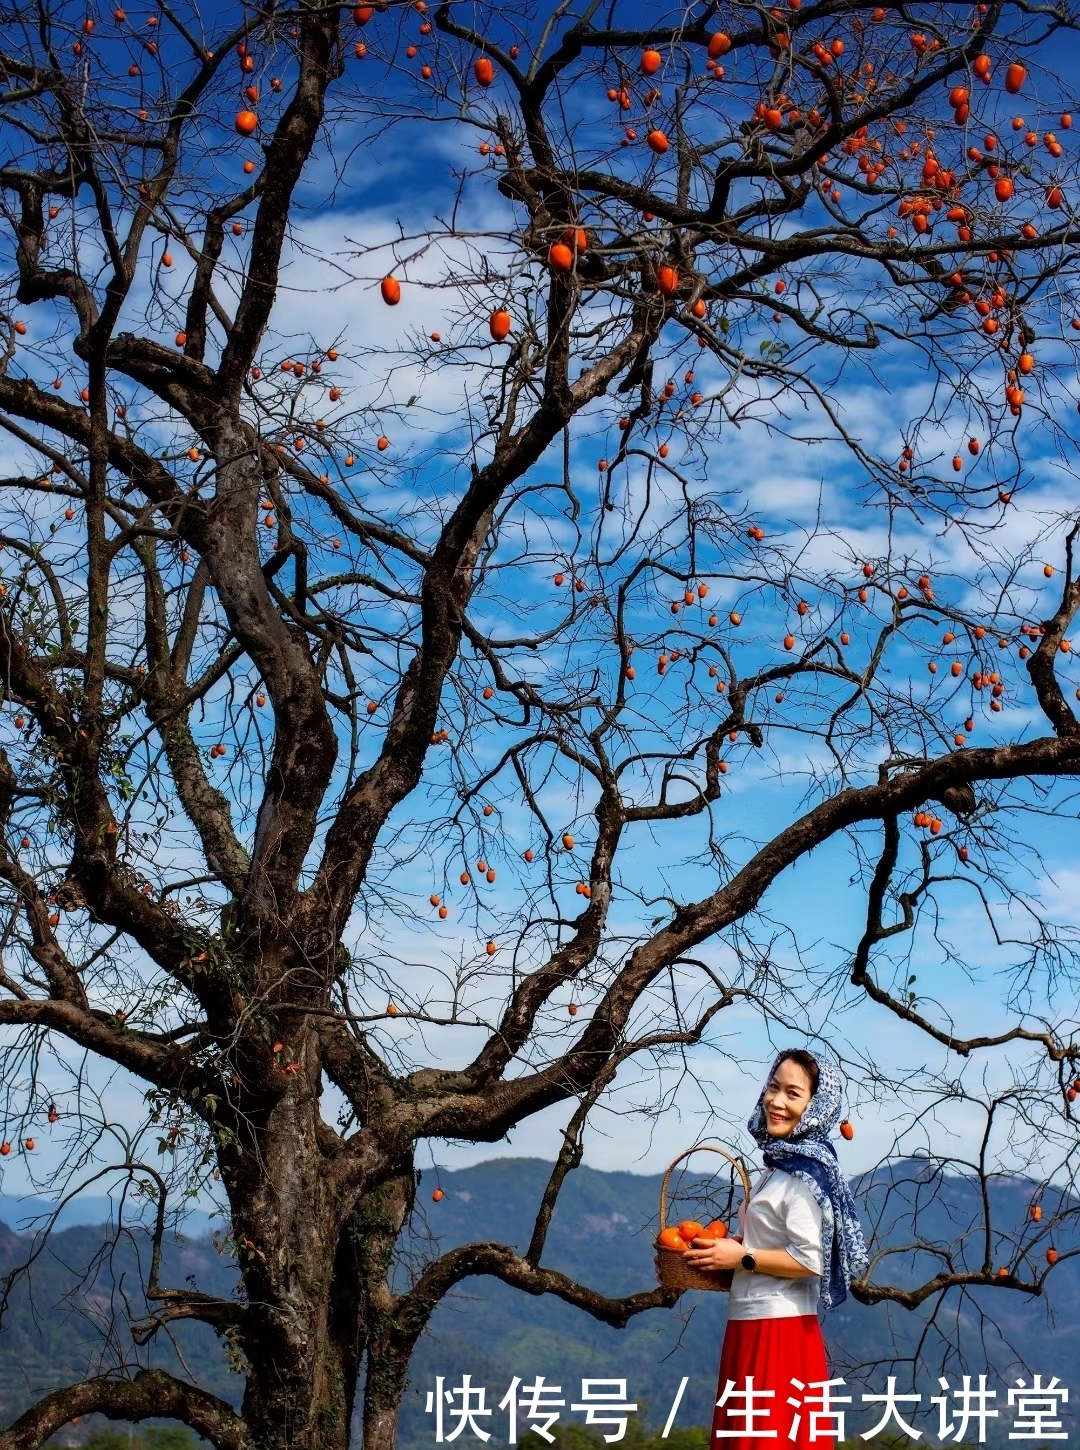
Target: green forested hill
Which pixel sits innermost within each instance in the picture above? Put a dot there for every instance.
(601, 1235)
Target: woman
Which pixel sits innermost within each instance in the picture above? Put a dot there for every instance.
(800, 1246)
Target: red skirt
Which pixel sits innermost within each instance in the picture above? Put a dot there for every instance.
(772, 1352)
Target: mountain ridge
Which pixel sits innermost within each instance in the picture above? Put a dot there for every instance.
(601, 1235)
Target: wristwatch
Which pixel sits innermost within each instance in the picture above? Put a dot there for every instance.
(749, 1263)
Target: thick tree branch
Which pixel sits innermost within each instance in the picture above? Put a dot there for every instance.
(150, 1394)
(414, 1309)
(502, 1104)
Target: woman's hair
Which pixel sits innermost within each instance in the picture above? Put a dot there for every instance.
(808, 1062)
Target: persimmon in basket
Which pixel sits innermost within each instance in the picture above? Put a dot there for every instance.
(683, 1235)
(671, 1238)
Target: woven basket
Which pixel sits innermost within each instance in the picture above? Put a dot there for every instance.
(674, 1271)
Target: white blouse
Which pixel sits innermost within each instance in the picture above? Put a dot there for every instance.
(782, 1214)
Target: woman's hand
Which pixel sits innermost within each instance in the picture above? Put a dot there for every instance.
(715, 1254)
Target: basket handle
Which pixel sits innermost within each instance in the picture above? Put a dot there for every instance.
(735, 1162)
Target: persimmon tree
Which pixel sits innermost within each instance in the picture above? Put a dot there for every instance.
(350, 683)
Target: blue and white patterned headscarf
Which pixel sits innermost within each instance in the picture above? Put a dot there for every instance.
(807, 1153)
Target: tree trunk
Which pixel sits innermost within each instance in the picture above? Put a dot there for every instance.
(299, 1337)
(303, 1403)
(377, 1222)
(315, 1272)
(384, 1385)
(302, 1367)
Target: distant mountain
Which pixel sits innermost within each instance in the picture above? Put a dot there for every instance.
(601, 1234)
(26, 1214)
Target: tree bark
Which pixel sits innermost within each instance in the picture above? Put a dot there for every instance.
(316, 1269)
(286, 1231)
(384, 1385)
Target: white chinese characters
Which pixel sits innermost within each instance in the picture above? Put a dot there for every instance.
(752, 1411)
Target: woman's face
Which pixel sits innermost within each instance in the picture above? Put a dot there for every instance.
(786, 1097)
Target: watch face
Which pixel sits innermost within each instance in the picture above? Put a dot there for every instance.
(749, 1262)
